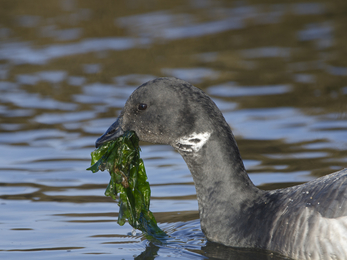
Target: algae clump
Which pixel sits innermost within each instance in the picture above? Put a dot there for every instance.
(121, 158)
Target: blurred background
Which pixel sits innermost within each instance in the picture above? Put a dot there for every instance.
(278, 72)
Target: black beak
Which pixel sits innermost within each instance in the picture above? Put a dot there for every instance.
(112, 133)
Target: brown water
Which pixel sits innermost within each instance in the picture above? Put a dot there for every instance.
(277, 71)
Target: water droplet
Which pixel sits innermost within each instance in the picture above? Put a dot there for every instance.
(133, 232)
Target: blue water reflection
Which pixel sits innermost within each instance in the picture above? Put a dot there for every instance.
(230, 89)
(20, 53)
(276, 70)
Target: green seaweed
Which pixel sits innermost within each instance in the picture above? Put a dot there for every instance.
(121, 158)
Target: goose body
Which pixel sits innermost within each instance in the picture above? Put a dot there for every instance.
(307, 221)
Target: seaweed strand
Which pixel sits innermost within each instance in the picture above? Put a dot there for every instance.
(121, 158)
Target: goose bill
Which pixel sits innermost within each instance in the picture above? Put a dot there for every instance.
(112, 133)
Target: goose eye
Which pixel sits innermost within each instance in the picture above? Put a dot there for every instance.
(142, 107)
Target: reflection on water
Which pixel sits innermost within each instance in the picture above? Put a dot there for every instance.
(277, 71)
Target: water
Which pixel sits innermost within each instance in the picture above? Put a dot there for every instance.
(277, 71)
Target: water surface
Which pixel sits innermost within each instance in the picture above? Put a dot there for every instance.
(277, 72)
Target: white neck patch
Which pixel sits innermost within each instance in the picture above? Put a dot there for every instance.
(193, 142)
